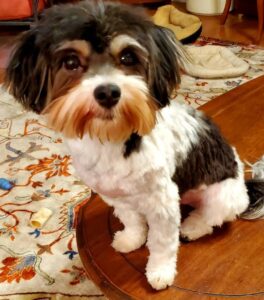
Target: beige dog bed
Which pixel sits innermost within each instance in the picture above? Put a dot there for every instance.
(213, 62)
(186, 27)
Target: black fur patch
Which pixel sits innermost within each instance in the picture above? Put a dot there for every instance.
(209, 161)
(255, 189)
(132, 144)
(27, 73)
(164, 70)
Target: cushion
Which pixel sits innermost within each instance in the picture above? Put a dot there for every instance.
(17, 9)
(213, 62)
(186, 27)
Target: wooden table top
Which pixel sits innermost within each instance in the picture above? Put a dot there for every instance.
(229, 264)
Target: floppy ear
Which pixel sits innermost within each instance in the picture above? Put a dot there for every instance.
(164, 68)
(27, 74)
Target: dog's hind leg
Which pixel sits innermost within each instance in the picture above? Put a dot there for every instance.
(218, 203)
(134, 235)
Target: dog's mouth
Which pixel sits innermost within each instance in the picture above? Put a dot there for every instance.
(106, 114)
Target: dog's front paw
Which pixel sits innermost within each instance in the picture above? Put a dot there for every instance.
(161, 276)
(129, 240)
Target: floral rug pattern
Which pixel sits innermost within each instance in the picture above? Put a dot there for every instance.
(44, 263)
(38, 262)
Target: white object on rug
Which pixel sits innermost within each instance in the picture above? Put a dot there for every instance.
(213, 62)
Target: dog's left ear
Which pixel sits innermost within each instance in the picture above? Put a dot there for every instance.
(164, 64)
(27, 74)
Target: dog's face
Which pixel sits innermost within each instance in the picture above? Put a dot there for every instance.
(102, 69)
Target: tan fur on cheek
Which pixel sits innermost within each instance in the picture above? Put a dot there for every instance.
(68, 114)
(139, 111)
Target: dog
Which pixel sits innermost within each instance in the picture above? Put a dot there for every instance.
(104, 74)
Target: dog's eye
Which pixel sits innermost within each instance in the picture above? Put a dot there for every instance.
(128, 58)
(71, 62)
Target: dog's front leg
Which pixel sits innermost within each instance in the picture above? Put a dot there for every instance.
(134, 235)
(163, 239)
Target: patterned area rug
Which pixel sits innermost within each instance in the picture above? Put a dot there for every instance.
(44, 263)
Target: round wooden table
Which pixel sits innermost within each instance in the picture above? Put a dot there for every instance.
(229, 264)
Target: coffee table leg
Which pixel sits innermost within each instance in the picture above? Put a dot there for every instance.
(260, 4)
(225, 12)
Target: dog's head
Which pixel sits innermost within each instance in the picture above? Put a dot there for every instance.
(97, 68)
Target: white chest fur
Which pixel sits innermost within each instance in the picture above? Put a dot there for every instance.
(103, 167)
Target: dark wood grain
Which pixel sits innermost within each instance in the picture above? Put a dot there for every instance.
(260, 6)
(228, 264)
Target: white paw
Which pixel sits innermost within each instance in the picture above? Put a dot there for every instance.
(194, 227)
(127, 240)
(162, 276)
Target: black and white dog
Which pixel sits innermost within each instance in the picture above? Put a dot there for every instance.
(103, 74)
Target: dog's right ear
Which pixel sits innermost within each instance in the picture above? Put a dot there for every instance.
(27, 75)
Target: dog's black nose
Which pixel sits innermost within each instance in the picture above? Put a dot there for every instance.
(107, 95)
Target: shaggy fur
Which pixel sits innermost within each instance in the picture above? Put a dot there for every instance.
(103, 74)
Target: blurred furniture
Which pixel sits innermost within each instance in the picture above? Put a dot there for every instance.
(123, 1)
(34, 7)
(225, 265)
(25, 14)
(247, 8)
(205, 7)
(159, 2)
